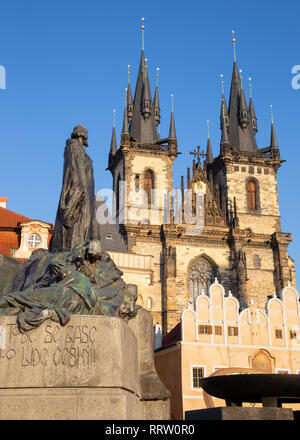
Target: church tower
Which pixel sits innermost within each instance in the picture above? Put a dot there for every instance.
(142, 167)
(222, 224)
(247, 177)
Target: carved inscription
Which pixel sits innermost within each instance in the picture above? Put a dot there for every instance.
(70, 346)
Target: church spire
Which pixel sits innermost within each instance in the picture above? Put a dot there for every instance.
(172, 141)
(156, 100)
(143, 125)
(125, 138)
(244, 117)
(209, 155)
(251, 110)
(273, 142)
(224, 136)
(113, 143)
(172, 131)
(129, 98)
(241, 135)
(223, 105)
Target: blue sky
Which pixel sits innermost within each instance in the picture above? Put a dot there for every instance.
(66, 63)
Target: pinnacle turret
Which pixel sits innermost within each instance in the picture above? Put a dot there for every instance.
(113, 143)
(273, 142)
(129, 99)
(172, 131)
(251, 111)
(209, 155)
(156, 102)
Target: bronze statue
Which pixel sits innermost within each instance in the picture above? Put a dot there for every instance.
(76, 276)
(76, 211)
(84, 281)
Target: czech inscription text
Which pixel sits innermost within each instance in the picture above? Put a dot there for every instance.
(70, 346)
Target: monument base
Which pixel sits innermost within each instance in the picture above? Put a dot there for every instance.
(240, 413)
(86, 370)
(69, 404)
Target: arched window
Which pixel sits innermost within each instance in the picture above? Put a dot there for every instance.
(149, 184)
(252, 194)
(201, 276)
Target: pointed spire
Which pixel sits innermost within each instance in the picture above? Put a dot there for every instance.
(209, 155)
(240, 132)
(223, 105)
(125, 118)
(156, 100)
(147, 102)
(172, 131)
(143, 126)
(129, 98)
(224, 135)
(251, 110)
(273, 143)
(244, 118)
(113, 143)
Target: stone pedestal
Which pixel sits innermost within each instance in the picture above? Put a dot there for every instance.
(85, 370)
(240, 413)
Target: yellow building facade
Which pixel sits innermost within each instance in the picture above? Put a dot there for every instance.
(214, 334)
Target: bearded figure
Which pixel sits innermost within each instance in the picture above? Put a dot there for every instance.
(76, 211)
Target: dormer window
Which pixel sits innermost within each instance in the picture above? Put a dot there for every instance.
(34, 240)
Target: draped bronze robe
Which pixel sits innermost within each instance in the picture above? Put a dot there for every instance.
(76, 211)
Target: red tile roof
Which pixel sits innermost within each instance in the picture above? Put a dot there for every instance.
(10, 219)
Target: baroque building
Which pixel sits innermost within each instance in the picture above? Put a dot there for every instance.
(224, 221)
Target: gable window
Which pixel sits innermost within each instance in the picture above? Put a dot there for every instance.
(218, 329)
(205, 329)
(233, 331)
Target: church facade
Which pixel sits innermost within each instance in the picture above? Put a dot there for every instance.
(223, 223)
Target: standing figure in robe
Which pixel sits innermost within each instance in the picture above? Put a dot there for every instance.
(76, 211)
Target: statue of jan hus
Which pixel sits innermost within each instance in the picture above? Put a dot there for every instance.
(75, 218)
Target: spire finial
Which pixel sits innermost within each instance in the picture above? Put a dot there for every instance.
(271, 111)
(222, 83)
(128, 72)
(241, 78)
(114, 117)
(172, 102)
(157, 76)
(250, 86)
(208, 134)
(233, 42)
(143, 28)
